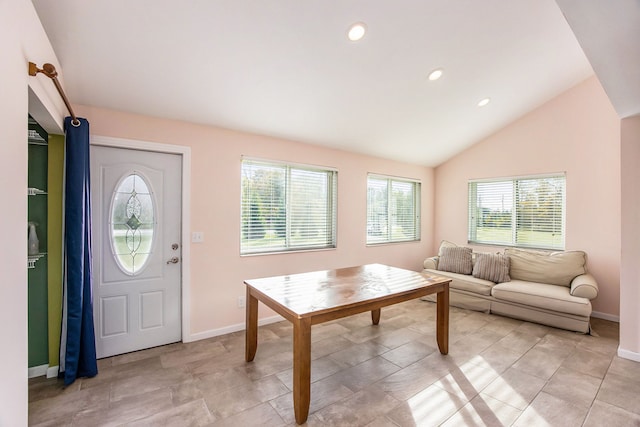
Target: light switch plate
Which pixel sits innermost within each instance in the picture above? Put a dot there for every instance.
(197, 237)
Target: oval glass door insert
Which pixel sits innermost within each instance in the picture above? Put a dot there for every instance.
(132, 223)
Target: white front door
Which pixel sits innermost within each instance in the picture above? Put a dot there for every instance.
(136, 198)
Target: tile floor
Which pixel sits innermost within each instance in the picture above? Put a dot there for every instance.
(499, 372)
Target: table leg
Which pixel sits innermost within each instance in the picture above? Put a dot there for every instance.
(375, 316)
(442, 326)
(301, 368)
(251, 332)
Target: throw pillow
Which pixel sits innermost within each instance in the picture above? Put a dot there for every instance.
(446, 244)
(492, 267)
(455, 260)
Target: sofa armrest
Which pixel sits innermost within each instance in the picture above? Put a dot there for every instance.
(431, 263)
(584, 286)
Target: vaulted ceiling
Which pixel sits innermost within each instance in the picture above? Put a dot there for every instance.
(286, 68)
(609, 33)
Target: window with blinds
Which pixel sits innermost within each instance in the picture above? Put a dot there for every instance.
(525, 212)
(287, 207)
(393, 210)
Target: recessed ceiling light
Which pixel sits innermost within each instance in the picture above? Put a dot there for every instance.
(435, 74)
(356, 31)
(484, 102)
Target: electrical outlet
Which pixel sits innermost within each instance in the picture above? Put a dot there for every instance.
(197, 237)
(241, 302)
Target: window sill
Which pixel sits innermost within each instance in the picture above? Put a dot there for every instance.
(393, 243)
(503, 245)
(291, 251)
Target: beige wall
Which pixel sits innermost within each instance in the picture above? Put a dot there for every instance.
(22, 39)
(217, 269)
(630, 269)
(578, 133)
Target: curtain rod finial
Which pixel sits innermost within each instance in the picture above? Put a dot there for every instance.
(49, 70)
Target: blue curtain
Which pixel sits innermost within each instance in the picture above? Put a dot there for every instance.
(77, 342)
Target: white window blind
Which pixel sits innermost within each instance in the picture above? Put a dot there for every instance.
(526, 212)
(393, 213)
(287, 207)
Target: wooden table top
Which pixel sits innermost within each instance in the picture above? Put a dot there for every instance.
(309, 294)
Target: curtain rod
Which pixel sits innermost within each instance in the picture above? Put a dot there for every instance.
(50, 71)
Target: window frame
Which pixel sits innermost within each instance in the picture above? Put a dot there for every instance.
(416, 194)
(515, 216)
(288, 246)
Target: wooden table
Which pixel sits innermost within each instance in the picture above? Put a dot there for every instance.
(310, 298)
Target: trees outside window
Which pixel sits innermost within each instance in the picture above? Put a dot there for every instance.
(525, 212)
(287, 207)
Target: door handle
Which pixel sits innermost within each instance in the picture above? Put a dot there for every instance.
(174, 260)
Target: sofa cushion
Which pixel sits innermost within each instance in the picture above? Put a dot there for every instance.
(493, 267)
(555, 268)
(456, 260)
(466, 282)
(550, 297)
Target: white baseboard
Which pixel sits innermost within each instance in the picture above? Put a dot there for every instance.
(38, 371)
(42, 370)
(229, 329)
(52, 372)
(605, 316)
(626, 354)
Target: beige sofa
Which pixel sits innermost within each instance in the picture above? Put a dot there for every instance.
(551, 288)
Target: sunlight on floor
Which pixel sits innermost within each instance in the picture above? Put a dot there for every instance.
(459, 390)
(433, 405)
